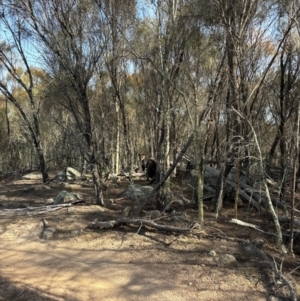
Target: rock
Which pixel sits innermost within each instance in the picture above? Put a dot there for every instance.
(228, 260)
(127, 211)
(232, 176)
(136, 191)
(114, 178)
(258, 242)
(66, 197)
(28, 189)
(177, 217)
(76, 232)
(130, 169)
(182, 239)
(60, 176)
(71, 174)
(42, 187)
(153, 214)
(49, 201)
(212, 253)
(110, 201)
(211, 176)
(179, 199)
(273, 298)
(36, 175)
(48, 233)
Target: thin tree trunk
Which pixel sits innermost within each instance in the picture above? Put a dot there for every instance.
(200, 182)
(224, 172)
(294, 178)
(117, 150)
(201, 139)
(218, 199)
(6, 117)
(237, 186)
(43, 167)
(267, 192)
(96, 178)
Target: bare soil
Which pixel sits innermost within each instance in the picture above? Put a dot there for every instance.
(131, 262)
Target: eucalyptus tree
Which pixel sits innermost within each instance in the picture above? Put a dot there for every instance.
(245, 24)
(4, 131)
(17, 74)
(170, 34)
(67, 32)
(236, 19)
(159, 66)
(283, 90)
(241, 25)
(117, 21)
(286, 105)
(284, 93)
(145, 83)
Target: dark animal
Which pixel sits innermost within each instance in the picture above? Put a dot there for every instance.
(150, 167)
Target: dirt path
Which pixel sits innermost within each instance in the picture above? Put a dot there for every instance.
(123, 264)
(118, 266)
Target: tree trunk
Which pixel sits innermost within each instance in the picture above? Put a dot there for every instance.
(267, 192)
(96, 179)
(218, 199)
(294, 177)
(200, 183)
(117, 150)
(43, 167)
(237, 186)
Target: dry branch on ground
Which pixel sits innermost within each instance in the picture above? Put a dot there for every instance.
(140, 222)
(36, 210)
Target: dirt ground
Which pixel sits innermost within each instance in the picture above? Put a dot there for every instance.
(131, 262)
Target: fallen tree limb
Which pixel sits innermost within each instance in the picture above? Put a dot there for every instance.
(246, 193)
(140, 222)
(178, 198)
(37, 210)
(244, 224)
(256, 198)
(209, 189)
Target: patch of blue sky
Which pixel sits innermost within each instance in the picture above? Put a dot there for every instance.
(145, 9)
(29, 47)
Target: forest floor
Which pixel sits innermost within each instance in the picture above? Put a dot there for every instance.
(132, 262)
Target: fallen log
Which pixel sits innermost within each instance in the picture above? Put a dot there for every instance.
(209, 189)
(252, 226)
(37, 210)
(140, 222)
(260, 196)
(252, 198)
(247, 193)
